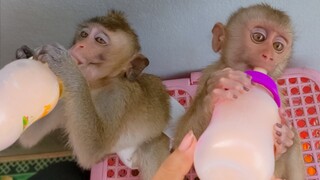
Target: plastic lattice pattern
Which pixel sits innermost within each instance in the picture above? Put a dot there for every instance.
(301, 91)
(302, 94)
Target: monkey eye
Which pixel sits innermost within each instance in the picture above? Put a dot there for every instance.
(83, 34)
(102, 39)
(278, 46)
(258, 35)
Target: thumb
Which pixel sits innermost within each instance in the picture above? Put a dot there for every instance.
(178, 164)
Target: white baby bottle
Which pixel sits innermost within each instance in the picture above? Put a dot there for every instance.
(29, 90)
(238, 143)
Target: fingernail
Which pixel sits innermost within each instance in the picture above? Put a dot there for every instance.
(278, 133)
(187, 141)
(245, 88)
(278, 141)
(279, 125)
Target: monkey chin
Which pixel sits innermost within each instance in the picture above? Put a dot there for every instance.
(75, 58)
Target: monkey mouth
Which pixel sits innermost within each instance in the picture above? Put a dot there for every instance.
(76, 59)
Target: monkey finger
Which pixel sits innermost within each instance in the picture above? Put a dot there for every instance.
(285, 130)
(210, 86)
(279, 149)
(236, 73)
(288, 143)
(282, 112)
(282, 142)
(229, 84)
(284, 116)
(288, 131)
(278, 143)
(229, 79)
(42, 58)
(24, 52)
(242, 78)
(222, 94)
(238, 76)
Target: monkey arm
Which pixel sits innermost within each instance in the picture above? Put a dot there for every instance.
(110, 118)
(54, 120)
(196, 118)
(291, 160)
(85, 128)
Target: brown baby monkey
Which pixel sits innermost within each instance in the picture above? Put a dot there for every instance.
(107, 104)
(255, 36)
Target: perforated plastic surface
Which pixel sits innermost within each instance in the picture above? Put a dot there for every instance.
(302, 94)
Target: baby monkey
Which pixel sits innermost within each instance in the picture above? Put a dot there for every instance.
(107, 105)
(256, 36)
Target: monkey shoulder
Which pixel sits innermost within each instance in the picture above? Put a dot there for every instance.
(151, 84)
(145, 88)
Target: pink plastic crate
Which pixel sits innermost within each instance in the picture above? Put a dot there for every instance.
(302, 93)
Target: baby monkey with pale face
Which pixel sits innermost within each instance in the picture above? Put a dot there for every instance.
(256, 36)
(108, 105)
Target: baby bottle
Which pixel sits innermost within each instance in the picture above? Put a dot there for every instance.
(29, 90)
(238, 143)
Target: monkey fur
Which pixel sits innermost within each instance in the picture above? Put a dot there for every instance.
(107, 105)
(234, 42)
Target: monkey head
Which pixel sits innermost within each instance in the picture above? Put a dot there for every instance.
(106, 47)
(256, 36)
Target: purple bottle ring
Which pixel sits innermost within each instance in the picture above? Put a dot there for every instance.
(267, 82)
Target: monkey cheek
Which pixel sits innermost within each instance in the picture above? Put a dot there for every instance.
(91, 73)
(85, 71)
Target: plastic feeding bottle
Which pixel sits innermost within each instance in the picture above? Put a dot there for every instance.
(29, 90)
(238, 143)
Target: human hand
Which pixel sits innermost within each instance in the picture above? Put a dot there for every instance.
(178, 164)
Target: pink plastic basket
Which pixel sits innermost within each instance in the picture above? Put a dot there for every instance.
(302, 93)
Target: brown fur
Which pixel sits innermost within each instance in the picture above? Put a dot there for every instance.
(229, 40)
(106, 113)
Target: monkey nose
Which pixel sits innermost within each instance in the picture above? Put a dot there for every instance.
(266, 57)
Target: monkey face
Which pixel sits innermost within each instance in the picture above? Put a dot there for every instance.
(260, 44)
(101, 53)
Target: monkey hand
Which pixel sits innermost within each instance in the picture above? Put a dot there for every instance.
(60, 62)
(282, 135)
(24, 52)
(227, 84)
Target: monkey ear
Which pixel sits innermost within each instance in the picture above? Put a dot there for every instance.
(218, 36)
(138, 63)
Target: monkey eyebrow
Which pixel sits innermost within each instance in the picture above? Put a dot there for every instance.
(286, 39)
(82, 26)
